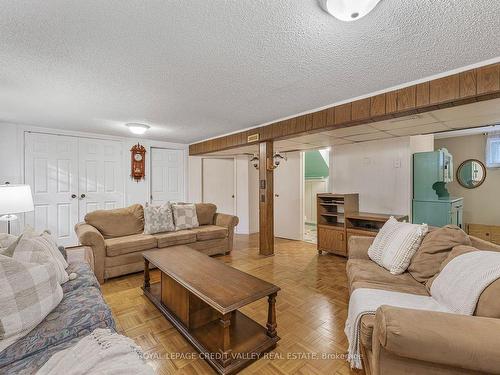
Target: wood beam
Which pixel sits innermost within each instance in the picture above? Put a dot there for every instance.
(266, 199)
(457, 89)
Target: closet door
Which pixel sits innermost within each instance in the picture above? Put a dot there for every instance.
(51, 169)
(167, 175)
(218, 184)
(100, 174)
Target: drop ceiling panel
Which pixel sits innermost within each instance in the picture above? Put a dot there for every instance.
(485, 108)
(405, 122)
(417, 130)
(369, 137)
(352, 130)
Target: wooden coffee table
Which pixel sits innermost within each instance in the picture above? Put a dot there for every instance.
(201, 296)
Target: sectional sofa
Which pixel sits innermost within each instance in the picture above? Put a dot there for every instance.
(398, 341)
(117, 237)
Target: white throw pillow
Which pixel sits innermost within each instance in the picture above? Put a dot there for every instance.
(395, 245)
(185, 216)
(28, 293)
(158, 219)
(32, 246)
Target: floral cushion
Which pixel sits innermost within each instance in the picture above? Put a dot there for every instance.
(84, 277)
(158, 219)
(80, 312)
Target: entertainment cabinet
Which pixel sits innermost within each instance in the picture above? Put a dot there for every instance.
(339, 219)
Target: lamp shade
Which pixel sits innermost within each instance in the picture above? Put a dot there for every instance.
(15, 199)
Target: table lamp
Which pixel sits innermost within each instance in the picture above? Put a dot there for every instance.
(14, 199)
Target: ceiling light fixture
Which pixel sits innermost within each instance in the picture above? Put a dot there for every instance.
(348, 10)
(137, 128)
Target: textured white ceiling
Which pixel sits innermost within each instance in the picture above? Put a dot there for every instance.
(201, 68)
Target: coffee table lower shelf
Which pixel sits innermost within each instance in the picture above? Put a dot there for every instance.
(249, 340)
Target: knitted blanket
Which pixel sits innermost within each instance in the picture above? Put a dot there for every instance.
(101, 352)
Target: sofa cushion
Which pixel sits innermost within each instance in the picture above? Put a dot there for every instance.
(79, 313)
(175, 238)
(205, 213)
(118, 222)
(363, 273)
(434, 249)
(185, 216)
(158, 219)
(129, 244)
(210, 232)
(488, 304)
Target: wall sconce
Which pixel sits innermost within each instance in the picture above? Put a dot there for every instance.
(271, 163)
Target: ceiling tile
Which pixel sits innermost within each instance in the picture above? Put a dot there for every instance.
(417, 130)
(369, 137)
(484, 108)
(404, 122)
(352, 130)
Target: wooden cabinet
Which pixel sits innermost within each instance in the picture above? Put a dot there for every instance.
(489, 233)
(332, 240)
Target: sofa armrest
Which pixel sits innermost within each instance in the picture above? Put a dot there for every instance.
(462, 341)
(358, 247)
(90, 236)
(229, 222)
(226, 221)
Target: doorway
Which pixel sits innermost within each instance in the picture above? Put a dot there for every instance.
(316, 173)
(218, 183)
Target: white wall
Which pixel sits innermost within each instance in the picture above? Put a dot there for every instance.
(380, 171)
(253, 191)
(12, 158)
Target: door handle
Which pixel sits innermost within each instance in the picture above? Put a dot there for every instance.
(276, 195)
(82, 196)
(73, 196)
(232, 196)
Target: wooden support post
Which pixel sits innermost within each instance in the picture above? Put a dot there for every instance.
(266, 199)
(225, 345)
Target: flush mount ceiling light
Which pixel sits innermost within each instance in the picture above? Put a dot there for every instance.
(137, 128)
(348, 10)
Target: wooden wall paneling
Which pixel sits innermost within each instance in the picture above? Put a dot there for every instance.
(422, 93)
(377, 105)
(468, 84)
(360, 109)
(488, 79)
(458, 89)
(391, 102)
(319, 119)
(343, 113)
(266, 200)
(406, 98)
(444, 89)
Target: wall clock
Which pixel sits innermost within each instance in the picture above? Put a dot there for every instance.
(138, 162)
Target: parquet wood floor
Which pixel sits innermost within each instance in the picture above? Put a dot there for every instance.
(311, 311)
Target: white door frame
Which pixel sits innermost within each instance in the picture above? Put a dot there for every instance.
(234, 178)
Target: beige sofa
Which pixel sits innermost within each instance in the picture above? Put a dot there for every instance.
(405, 341)
(117, 237)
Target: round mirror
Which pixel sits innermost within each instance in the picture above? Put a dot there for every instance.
(471, 173)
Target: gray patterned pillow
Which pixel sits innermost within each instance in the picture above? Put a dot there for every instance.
(158, 219)
(185, 216)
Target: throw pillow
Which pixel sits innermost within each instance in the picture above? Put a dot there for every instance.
(11, 246)
(29, 292)
(395, 245)
(158, 219)
(32, 248)
(185, 216)
(434, 249)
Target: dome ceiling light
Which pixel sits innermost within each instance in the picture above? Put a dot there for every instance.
(137, 128)
(348, 10)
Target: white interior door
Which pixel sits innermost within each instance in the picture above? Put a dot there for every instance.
(167, 175)
(288, 197)
(51, 169)
(218, 184)
(101, 176)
